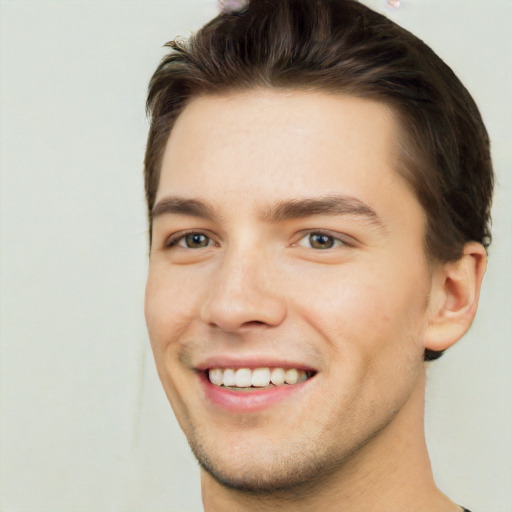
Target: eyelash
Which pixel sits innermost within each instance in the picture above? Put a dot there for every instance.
(337, 241)
(175, 240)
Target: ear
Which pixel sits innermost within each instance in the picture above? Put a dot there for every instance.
(454, 297)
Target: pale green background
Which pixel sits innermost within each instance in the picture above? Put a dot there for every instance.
(84, 424)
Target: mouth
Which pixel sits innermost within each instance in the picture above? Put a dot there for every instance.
(244, 390)
(247, 379)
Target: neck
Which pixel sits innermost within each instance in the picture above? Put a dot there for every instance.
(391, 472)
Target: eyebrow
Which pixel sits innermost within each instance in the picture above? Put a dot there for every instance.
(332, 205)
(183, 206)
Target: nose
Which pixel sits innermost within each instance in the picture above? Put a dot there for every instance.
(244, 294)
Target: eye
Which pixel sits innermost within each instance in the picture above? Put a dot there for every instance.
(191, 241)
(320, 241)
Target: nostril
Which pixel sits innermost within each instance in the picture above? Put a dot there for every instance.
(253, 323)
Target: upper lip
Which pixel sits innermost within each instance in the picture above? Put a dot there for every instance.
(229, 361)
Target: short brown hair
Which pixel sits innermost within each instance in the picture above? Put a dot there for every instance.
(341, 46)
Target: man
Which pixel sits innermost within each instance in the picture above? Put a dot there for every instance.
(318, 185)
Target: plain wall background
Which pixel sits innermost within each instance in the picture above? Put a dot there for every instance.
(84, 424)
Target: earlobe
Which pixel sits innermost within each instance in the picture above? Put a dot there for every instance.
(454, 297)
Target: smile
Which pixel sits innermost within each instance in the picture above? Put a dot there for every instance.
(246, 378)
(240, 389)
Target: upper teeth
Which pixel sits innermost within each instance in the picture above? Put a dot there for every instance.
(258, 377)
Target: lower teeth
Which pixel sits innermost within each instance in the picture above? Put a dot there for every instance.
(250, 388)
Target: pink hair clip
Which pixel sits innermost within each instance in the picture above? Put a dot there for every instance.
(394, 4)
(234, 6)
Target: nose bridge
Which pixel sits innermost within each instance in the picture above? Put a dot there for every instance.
(243, 291)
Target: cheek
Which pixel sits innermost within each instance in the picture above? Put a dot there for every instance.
(367, 309)
(169, 306)
(167, 311)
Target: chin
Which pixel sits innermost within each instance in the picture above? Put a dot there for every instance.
(270, 471)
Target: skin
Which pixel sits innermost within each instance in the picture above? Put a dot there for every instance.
(360, 312)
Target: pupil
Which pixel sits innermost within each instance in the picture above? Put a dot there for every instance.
(321, 241)
(197, 240)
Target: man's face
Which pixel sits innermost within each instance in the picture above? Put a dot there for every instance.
(284, 237)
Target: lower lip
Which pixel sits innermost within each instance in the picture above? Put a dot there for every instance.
(248, 401)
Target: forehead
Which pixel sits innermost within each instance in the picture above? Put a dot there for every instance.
(268, 145)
